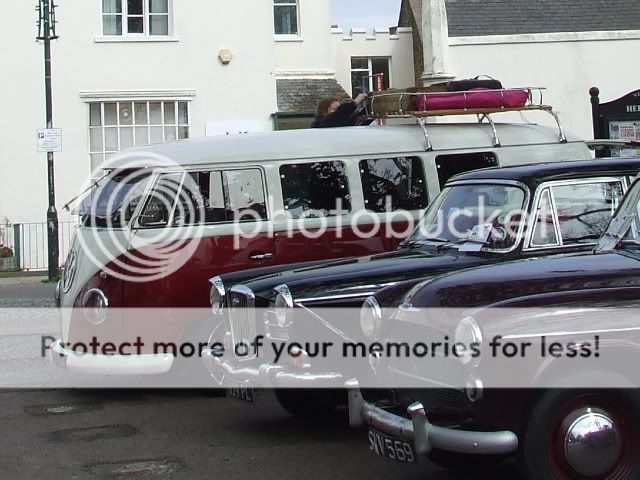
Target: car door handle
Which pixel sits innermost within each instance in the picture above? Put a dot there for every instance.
(262, 256)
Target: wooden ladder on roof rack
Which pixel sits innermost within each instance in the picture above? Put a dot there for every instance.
(482, 113)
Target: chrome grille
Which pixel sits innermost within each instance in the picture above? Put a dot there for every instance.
(275, 332)
(433, 398)
(242, 318)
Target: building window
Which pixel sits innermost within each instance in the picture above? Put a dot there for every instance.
(114, 126)
(135, 17)
(285, 15)
(366, 72)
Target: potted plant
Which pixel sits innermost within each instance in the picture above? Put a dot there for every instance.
(7, 259)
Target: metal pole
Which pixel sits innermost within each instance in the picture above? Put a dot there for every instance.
(17, 247)
(52, 214)
(594, 93)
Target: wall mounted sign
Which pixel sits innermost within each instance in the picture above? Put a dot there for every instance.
(617, 120)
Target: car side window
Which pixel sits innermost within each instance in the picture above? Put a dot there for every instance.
(391, 184)
(222, 196)
(161, 201)
(544, 233)
(584, 210)
(449, 165)
(320, 188)
(244, 194)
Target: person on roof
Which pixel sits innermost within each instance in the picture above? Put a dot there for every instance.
(332, 113)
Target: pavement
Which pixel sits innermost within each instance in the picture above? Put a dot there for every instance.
(109, 434)
(26, 292)
(129, 434)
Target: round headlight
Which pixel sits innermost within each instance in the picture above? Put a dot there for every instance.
(371, 318)
(217, 295)
(283, 302)
(468, 333)
(95, 304)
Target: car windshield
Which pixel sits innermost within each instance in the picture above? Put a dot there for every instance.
(474, 217)
(112, 200)
(624, 228)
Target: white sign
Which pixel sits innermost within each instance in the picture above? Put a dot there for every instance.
(50, 140)
(628, 131)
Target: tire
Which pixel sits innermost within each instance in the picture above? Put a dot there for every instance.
(464, 463)
(310, 403)
(544, 442)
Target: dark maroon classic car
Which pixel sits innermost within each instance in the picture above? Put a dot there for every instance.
(529, 211)
(562, 419)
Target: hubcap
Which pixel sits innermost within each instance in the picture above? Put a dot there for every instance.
(592, 444)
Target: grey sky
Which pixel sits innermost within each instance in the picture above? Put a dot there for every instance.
(365, 13)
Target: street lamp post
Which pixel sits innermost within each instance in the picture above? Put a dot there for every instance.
(46, 33)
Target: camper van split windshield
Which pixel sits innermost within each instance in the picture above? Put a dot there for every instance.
(113, 199)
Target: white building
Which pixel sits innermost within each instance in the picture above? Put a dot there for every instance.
(567, 46)
(142, 71)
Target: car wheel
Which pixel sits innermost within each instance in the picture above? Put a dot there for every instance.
(583, 435)
(310, 403)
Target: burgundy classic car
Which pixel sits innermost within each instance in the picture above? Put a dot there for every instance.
(563, 420)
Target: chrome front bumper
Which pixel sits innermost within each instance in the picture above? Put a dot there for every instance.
(119, 365)
(422, 433)
(268, 375)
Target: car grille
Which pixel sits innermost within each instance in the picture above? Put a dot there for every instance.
(242, 319)
(432, 398)
(276, 332)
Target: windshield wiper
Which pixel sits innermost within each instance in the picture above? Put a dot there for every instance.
(94, 184)
(435, 239)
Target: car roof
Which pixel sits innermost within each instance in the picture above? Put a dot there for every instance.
(535, 173)
(331, 143)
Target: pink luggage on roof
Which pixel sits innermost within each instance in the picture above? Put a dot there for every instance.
(474, 98)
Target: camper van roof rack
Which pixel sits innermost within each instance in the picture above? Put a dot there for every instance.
(534, 103)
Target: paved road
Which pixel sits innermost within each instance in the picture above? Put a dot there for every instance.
(182, 435)
(26, 292)
(129, 434)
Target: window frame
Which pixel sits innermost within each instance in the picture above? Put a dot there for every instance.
(298, 33)
(221, 170)
(347, 181)
(148, 196)
(369, 71)
(134, 125)
(367, 192)
(146, 22)
(533, 216)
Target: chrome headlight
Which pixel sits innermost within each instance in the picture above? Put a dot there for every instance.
(468, 333)
(284, 301)
(371, 318)
(217, 295)
(95, 304)
(474, 389)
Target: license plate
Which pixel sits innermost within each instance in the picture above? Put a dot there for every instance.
(390, 447)
(241, 391)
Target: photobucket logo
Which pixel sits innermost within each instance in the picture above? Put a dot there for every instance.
(139, 227)
(314, 223)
